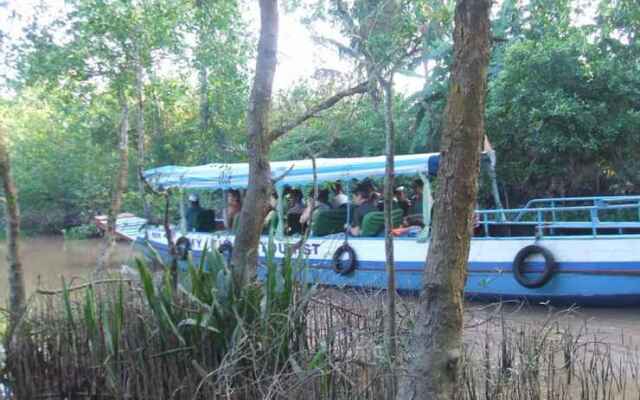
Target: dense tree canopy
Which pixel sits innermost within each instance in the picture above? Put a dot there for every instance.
(562, 101)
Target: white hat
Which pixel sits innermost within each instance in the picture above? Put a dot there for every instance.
(340, 199)
(193, 197)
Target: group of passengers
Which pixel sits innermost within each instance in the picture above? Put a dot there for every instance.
(299, 213)
(203, 220)
(367, 200)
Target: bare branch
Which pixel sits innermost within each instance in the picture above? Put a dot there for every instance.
(281, 177)
(149, 187)
(341, 47)
(312, 112)
(74, 288)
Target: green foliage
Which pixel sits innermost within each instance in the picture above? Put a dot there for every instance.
(208, 323)
(561, 112)
(354, 129)
(220, 313)
(61, 171)
(562, 106)
(3, 326)
(3, 330)
(81, 232)
(73, 74)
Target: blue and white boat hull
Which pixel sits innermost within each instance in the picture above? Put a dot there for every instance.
(602, 270)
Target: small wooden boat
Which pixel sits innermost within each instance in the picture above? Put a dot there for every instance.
(128, 226)
(582, 250)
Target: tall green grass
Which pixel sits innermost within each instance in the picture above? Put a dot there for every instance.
(3, 325)
(207, 332)
(3, 330)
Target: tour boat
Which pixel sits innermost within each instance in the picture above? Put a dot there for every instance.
(583, 250)
(128, 226)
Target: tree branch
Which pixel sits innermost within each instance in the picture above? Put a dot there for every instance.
(312, 112)
(74, 288)
(281, 177)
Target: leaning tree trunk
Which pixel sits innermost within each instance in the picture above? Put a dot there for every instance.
(436, 346)
(141, 137)
(119, 187)
(245, 256)
(16, 273)
(203, 79)
(387, 87)
(159, 138)
(201, 63)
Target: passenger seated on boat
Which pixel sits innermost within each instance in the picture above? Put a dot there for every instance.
(373, 222)
(321, 203)
(206, 221)
(414, 213)
(406, 231)
(327, 222)
(271, 219)
(294, 212)
(339, 198)
(193, 212)
(401, 201)
(416, 198)
(234, 205)
(374, 196)
(365, 204)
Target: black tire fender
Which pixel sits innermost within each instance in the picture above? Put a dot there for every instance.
(226, 249)
(519, 266)
(344, 267)
(183, 247)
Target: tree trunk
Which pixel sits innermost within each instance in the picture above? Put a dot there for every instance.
(391, 333)
(436, 346)
(141, 137)
(119, 187)
(203, 78)
(204, 36)
(259, 139)
(245, 254)
(159, 138)
(16, 273)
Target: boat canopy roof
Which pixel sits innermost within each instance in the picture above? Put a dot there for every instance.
(292, 173)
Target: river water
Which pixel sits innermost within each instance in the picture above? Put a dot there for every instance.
(47, 259)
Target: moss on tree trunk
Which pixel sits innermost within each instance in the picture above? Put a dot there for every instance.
(16, 273)
(436, 346)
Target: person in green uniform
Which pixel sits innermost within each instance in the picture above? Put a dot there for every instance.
(193, 212)
(365, 203)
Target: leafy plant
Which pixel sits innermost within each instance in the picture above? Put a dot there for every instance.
(81, 232)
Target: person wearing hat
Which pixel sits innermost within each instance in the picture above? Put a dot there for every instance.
(193, 212)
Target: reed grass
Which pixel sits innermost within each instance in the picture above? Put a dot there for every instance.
(280, 340)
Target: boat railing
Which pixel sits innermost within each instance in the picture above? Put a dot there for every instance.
(613, 213)
(584, 201)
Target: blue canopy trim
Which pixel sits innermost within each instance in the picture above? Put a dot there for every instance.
(292, 173)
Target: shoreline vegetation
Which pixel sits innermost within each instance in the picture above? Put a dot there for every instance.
(138, 338)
